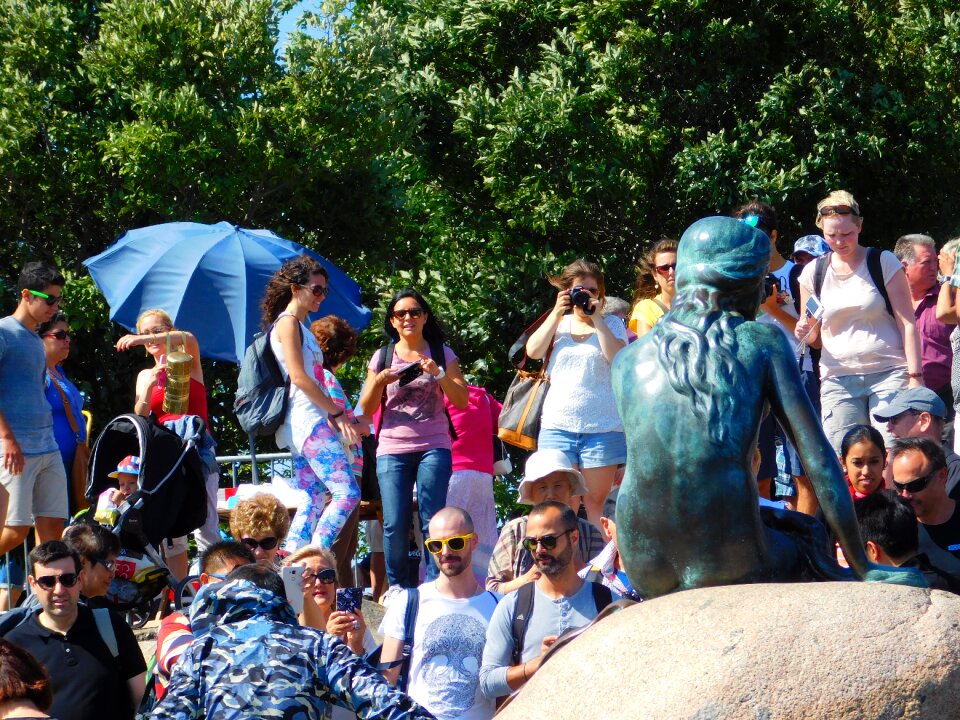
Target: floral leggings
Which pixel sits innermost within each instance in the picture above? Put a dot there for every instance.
(321, 465)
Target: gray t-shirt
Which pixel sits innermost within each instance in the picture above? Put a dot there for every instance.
(550, 617)
(22, 400)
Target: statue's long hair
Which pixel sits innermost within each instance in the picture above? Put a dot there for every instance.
(719, 279)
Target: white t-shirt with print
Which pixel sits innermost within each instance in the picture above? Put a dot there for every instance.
(447, 649)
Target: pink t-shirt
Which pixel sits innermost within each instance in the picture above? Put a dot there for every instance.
(475, 426)
(413, 418)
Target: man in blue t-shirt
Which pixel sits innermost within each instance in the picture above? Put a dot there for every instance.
(33, 483)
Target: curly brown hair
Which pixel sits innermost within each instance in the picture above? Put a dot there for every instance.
(336, 338)
(262, 514)
(22, 677)
(278, 293)
(646, 286)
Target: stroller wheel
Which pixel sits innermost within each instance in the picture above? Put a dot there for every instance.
(185, 591)
(140, 615)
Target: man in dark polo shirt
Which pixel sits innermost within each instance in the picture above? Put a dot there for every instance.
(95, 664)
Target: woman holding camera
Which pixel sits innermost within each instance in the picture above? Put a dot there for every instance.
(579, 414)
(413, 438)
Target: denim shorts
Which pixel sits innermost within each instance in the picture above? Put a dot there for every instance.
(586, 450)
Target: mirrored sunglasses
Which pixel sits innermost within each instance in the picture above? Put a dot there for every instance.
(50, 300)
(665, 269)
(267, 543)
(831, 210)
(49, 582)
(412, 312)
(457, 543)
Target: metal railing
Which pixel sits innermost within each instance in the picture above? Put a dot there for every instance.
(240, 465)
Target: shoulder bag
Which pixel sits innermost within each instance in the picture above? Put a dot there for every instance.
(81, 459)
(519, 422)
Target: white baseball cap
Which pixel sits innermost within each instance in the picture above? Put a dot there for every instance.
(544, 462)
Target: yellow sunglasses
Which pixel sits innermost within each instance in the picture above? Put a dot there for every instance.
(456, 543)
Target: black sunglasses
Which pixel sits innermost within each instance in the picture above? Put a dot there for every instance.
(327, 576)
(549, 542)
(915, 486)
(268, 543)
(49, 582)
(59, 335)
(412, 312)
(50, 300)
(831, 210)
(318, 290)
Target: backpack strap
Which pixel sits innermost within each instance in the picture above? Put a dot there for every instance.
(794, 281)
(601, 595)
(409, 626)
(384, 355)
(820, 272)
(522, 611)
(876, 274)
(105, 628)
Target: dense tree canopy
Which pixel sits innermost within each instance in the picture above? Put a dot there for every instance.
(469, 147)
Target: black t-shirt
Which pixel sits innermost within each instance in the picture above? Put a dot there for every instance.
(947, 535)
(87, 681)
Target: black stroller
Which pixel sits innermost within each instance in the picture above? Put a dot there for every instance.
(171, 502)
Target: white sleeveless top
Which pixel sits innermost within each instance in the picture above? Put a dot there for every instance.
(302, 414)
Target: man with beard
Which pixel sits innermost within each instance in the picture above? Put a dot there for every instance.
(530, 620)
(449, 621)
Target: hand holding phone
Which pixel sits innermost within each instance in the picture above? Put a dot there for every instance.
(349, 599)
(292, 576)
(814, 308)
(409, 373)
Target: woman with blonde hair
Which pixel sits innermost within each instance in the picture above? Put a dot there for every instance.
(579, 414)
(868, 335)
(656, 286)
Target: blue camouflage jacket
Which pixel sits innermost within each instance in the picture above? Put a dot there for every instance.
(250, 659)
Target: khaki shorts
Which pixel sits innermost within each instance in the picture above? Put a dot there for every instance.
(175, 546)
(39, 491)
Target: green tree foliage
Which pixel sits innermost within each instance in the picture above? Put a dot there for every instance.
(468, 147)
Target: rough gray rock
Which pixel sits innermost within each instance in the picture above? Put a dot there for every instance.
(806, 650)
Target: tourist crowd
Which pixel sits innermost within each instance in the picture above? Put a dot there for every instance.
(874, 338)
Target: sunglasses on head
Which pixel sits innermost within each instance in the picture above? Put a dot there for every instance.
(457, 543)
(549, 542)
(327, 576)
(831, 210)
(665, 269)
(59, 335)
(49, 582)
(50, 300)
(915, 486)
(412, 312)
(318, 290)
(268, 543)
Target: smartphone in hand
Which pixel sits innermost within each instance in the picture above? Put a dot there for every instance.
(409, 373)
(292, 576)
(814, 308)
(349, 599)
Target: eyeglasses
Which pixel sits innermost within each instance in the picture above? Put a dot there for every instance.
(412, 312)
(665, 269)
(49, 582)
(549, 542)
(159, 329)
(318, 290)
(915, 486)
(268, 543)
(50, 300)
(457, 543)
(59, 335)
(831, 210)
(108, 564)
(327, 576)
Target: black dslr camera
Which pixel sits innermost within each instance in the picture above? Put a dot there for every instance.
(581, 299)
(770, 283)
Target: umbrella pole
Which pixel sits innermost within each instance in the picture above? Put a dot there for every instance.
(253, 460)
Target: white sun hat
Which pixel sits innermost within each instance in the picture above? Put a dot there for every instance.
(542, 463)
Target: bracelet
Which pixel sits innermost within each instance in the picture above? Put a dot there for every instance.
(915, 376)
(334, 417)
(441, 375)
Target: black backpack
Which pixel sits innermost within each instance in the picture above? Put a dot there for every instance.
(262, 391)
(873, 267)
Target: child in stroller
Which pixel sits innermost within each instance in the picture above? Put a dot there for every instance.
(168, 500)
(127, 476)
